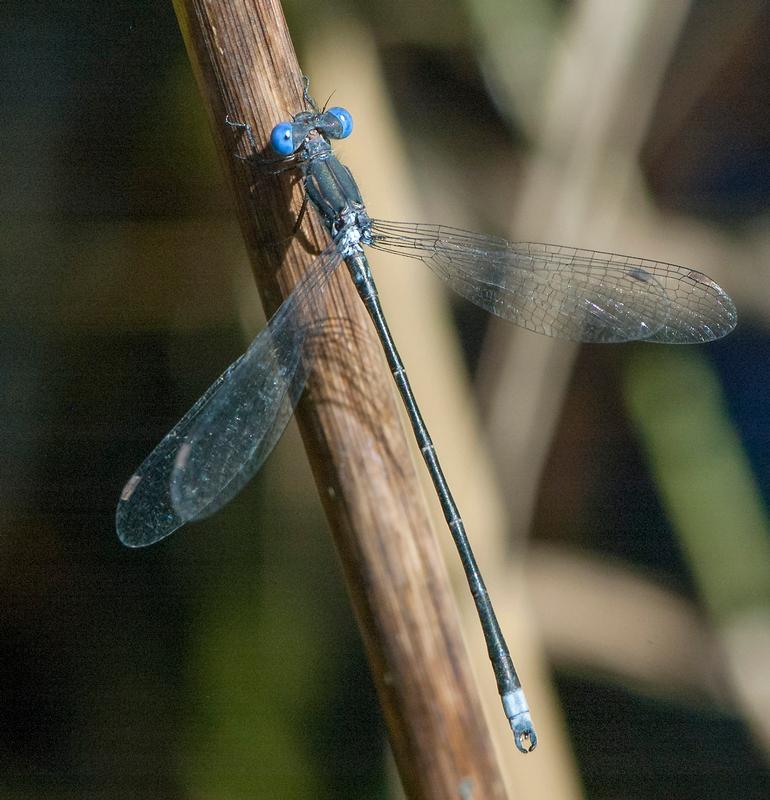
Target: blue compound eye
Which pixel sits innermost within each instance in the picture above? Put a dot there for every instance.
(282, 139)
(343, 117)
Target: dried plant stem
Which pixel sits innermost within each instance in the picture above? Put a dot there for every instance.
(246, 67)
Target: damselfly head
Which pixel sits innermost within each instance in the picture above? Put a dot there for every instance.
(287, 137)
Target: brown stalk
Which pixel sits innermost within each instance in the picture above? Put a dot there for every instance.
(246, 67)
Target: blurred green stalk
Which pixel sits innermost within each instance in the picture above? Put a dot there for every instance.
(702, 472)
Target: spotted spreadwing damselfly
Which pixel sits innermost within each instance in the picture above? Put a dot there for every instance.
(566, 292)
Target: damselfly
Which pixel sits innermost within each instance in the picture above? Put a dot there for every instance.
(582, 295)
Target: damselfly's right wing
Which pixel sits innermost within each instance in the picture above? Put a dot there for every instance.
(583, 295)
(217, 447)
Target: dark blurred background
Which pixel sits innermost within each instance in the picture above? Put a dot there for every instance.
(617, 494)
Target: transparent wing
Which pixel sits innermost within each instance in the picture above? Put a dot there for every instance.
(582, 295)
(217, 447)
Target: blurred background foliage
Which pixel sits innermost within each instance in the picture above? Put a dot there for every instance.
(617, 495)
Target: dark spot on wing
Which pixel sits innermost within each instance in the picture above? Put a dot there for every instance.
(641, 275)
(699, 277)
